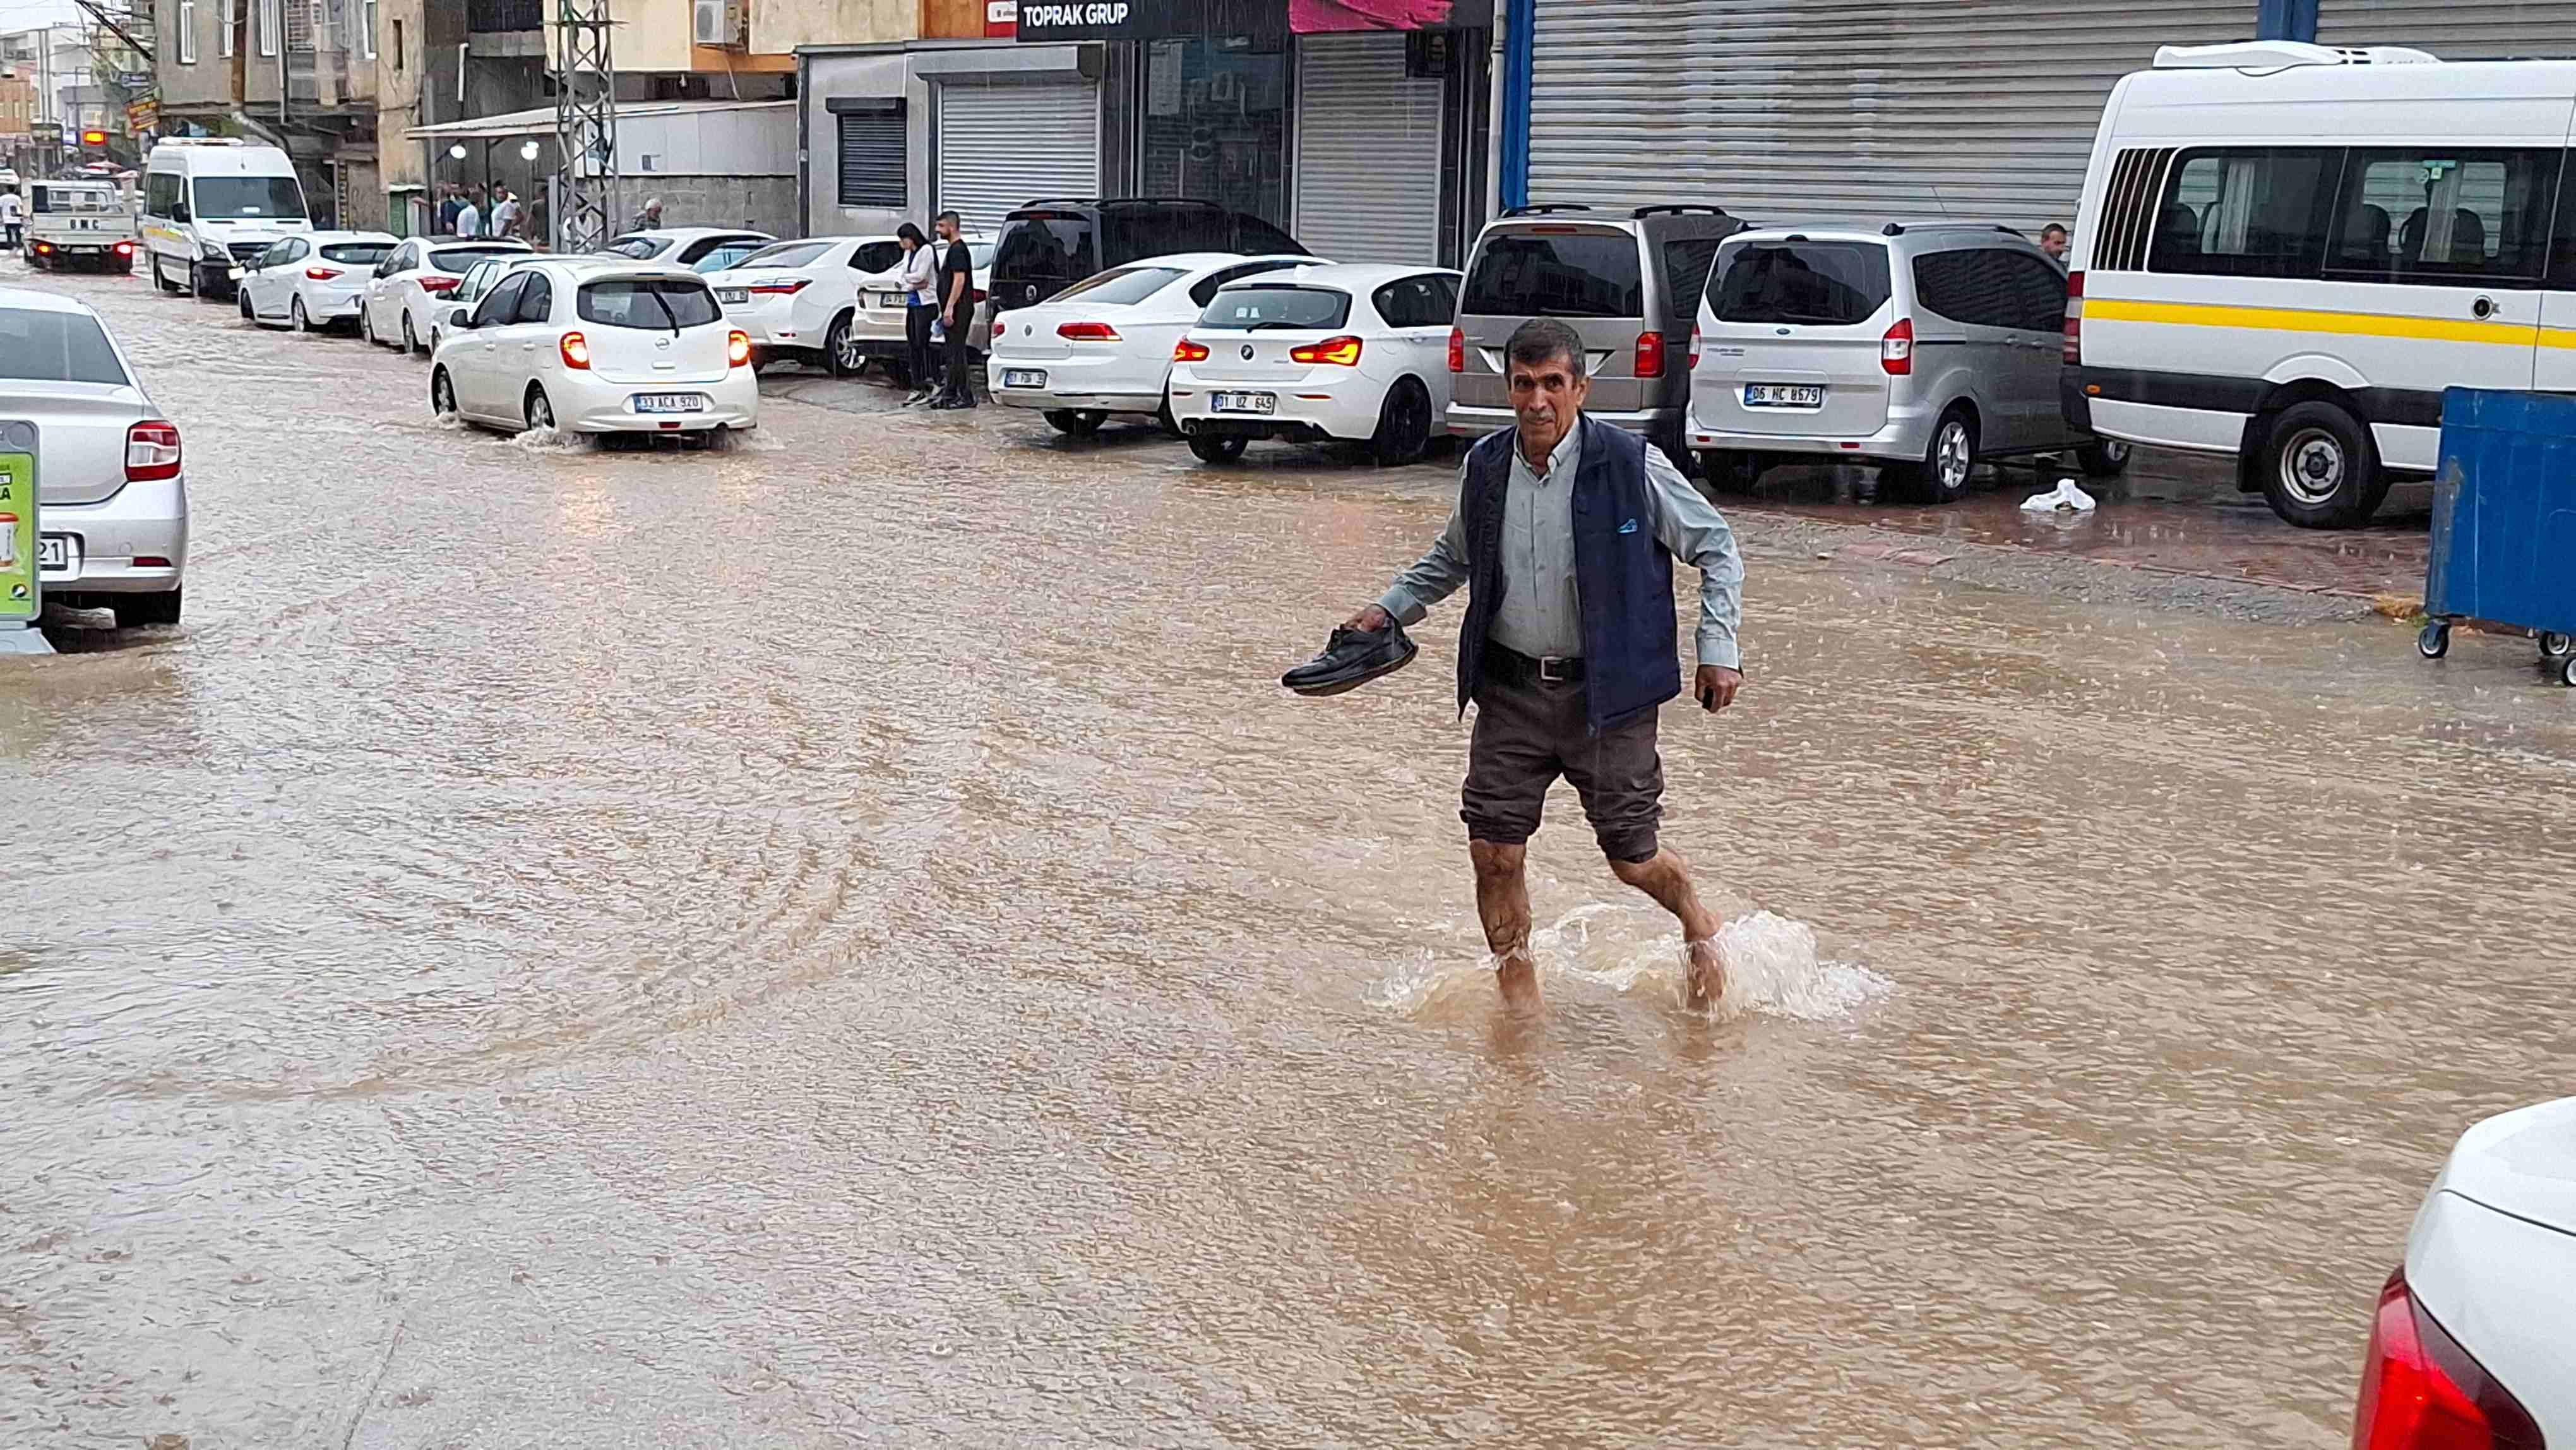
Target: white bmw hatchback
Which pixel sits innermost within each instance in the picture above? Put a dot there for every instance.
(797, 299)
(596, 345)
(1319, 354)
(312, 280)
(1104, 345)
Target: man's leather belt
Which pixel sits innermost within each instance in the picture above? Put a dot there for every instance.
(1513, 667)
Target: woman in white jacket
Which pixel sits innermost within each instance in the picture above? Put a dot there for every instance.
(920, 308)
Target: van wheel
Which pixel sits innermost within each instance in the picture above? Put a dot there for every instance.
(1076, 422)
(1948, 463)
(1403, 425)
(2320, 469)
(2103, 458)
(1730, 470)
(1216, 447)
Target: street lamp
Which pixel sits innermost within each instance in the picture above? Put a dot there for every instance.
(457, 151)
(528, 151)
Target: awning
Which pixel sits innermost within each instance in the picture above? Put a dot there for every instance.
(541, 121)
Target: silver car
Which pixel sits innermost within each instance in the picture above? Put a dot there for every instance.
(1925, 348)
(113, 499)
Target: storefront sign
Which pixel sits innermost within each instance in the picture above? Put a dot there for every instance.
(1059, 20)
(143, 115)
(22, 594)
(1001, 19)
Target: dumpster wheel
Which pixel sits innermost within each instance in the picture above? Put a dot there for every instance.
(2435, 641)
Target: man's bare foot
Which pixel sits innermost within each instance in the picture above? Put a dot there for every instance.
(1705, 973)
(1517, 975)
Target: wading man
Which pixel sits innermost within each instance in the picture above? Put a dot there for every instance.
(1565, 534)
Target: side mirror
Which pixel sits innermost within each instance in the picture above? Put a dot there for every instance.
(461, 319)
(179, 213)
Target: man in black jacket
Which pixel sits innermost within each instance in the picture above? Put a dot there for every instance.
(956, 309)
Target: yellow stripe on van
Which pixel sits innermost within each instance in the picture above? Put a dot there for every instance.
(2347, 324)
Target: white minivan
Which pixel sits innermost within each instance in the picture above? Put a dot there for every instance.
(2286, 252)
(210, 205)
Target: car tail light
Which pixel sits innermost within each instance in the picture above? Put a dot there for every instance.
(1650, 354)
(2421, 1391)
(1457, 349)
(435, 283)
(2074, 318)
(1339, 351)
(975, 296)
(1187, 350)
(576, 351)
(738, 348)
(125, 249)
(44, 246)
(1696, 346)
(781, 289)
(321, 274)
(1086, 332)
(151, 451)
(1896, 349)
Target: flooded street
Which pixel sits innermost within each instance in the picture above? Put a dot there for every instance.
(843, 941)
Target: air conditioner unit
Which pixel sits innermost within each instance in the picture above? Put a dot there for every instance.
(719, 22)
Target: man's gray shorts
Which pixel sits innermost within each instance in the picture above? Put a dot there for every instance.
(1529, 734)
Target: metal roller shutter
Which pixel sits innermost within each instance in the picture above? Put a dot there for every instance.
(2453, 30)
(1004, 145)
(872, 158)
(1368, 152)
(1980, 109)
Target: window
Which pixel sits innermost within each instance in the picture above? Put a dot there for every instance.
(1050, 249)
(2258, 212)
(367, 21)
(278, 255)
(1821, 284)
(265, 21)
(726, 254)
(187, 32)
(881, 257)
(2444, 218)
(872, 161)
(1274, 305)
(356, 254)
(1521, 274)
(161, 194)
(231, 11)
(1254, 235)
(457, 259)
(1205, 289)
(398, 44)
(1120, 286)
(1992, 287)
(405, 257)
(56, 347)
(655, 304)
(536, 300)
(641, 248)
(1687, 262)
(1411, 302)
(502, 302)
(2038, 293)
(249, 196)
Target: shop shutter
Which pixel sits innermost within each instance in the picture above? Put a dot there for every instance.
(1368, 152)
(872, 158)
(1002, 146)
(2453, 30)
(1782, 109)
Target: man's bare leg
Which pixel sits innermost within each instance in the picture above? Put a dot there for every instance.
(1502, 901)
(1665, 876)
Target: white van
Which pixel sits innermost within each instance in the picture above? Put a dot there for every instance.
(2286, 252)
(211, 204)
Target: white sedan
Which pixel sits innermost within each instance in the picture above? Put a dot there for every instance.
(1318, 354)
(878, 329)
(415, 281)
(316, 279)
(596, 345)
(1104, 345)
(2470, 1343)
(798, 299)
(700, 249)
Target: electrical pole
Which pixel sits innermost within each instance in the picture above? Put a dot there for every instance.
(585, 124)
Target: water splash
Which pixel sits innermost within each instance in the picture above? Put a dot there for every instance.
(554, 440)
(1771, 961)
(1771, 967)
(749, 440)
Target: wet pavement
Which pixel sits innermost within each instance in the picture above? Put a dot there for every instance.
(843, 942)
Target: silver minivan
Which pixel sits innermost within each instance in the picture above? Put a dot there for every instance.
(1925, 348)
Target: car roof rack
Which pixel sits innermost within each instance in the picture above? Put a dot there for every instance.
(1898, 229)
(1544, 208)
(1680, 208)
(1162, 201)
(2282, 54)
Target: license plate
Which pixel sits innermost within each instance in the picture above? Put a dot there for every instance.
(1246, 402)
(733, 294)
(1023, 378)
(234, 272)
(54, 554)
(670, 403)
(885, 299)
(1783, 395)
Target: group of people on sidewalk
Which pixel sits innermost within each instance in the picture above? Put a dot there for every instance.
(939, 312)
(477, 211)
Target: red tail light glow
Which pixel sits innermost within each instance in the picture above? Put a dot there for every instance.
(788, 288)
(1896, 349)
(1457, 350)
(2074, 318)
(1187, 350)
(1339, 351)
(576, 351)
(125, 249)
(151, 451)
(1696, 347)
(436, 283)
(1086, 332)
(321, 274)
(2421, 1391)
(738, 348)
(1650, 354)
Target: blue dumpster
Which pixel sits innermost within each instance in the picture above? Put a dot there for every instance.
(2504, 521)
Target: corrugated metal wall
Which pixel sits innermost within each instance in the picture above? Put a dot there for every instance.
(1368, 152)
(1001, 147)
(2451, 30)
(1777, 109)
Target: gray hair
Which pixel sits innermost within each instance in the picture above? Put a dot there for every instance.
(1545, 340)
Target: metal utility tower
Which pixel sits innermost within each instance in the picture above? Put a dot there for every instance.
(585, 124)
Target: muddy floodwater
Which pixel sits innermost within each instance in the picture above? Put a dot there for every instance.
(843, 942)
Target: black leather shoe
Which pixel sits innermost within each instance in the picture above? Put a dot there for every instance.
(1352, 658)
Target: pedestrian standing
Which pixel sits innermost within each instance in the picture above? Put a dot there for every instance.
(505, 213)
(13, 221)
(956, 308)
(469, 217)
(2052, 240)
(650, 218)
(1565, 532)
(449, 204)
(920, 309)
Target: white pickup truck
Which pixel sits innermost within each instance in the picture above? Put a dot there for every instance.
(79, 224)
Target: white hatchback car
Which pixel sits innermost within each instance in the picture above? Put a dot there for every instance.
(318, 279)
(596, 345)
(797, 299)
(1104, 345)
(1354, 352)
(2470, 1343)
(415, 282)
(113, 526)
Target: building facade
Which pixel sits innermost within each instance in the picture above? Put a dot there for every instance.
(299, 74)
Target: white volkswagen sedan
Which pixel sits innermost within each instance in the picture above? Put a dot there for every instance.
(1318, 354)
(312, 280)
(797, 299)
(2470, 1345)
(596, 345)
(416, 279)
(1104, 345)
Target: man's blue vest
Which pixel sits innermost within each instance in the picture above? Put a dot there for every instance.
(1622, 574)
